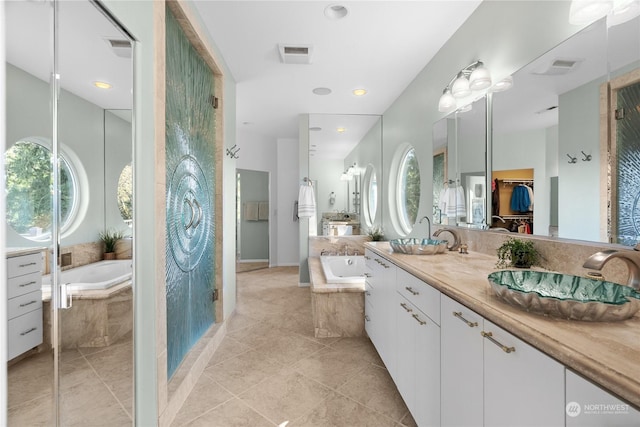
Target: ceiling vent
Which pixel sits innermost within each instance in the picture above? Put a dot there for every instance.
(295, 54)
(121, 48)
(558, 67)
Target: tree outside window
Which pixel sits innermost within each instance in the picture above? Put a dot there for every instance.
(409, 189)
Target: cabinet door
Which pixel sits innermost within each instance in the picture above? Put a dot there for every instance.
(418, 362)
(522, 386)
(589, 405)
(461, 365)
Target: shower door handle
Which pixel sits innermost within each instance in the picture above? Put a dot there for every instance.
(65, 301)
(195, 202)
(190, 223)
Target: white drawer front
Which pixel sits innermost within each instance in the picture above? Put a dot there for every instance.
(24, 303)
(21, 265)
(423, 296)
(25, 332)
(24, 284)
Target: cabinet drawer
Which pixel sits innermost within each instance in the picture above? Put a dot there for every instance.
(24, 333)
(21, 265)
(24, 284)
(24, 303)
(423, 296)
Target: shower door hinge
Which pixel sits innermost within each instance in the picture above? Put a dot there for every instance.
(213, 100)
(619, 114)
(214, 295)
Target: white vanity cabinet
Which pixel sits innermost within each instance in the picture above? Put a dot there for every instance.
(500, 379)
(380, 320)
(588, 405)
(24, 305)
(417, 373)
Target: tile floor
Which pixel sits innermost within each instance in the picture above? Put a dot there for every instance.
(270, 370)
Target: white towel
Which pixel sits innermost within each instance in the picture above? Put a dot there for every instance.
(263, 211)
(461, 210)
(306, 202)
(251, 211)
(452, 202)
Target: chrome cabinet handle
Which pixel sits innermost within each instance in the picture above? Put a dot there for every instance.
(489, 336)
(199, 213)
(458, 314)
(410, 289)
(367, 275)
(415, 316)
(28, 331)
(28, 303)
(367, 257)
(26, 284)
(27, 265)
(404, 305)
(367, 293)
(188, 226)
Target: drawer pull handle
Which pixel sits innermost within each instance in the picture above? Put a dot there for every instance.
(367, 275)
(367, 293)
(385, 265)
(27, 284)
(27, 264)
(28, 331)
(458, 314)
(367, 318)
(403, 305)
(489, 336)
(28, 303)
(367, 257)
(415, 316)
(410, 289)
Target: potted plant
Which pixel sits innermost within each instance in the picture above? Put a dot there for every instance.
(110, 238)
(375, 233)
(517, 253)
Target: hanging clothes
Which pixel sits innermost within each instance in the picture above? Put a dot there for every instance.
(530, 190)
(520, 199)
(495, 198)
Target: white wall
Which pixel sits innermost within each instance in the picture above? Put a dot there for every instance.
(286, 244)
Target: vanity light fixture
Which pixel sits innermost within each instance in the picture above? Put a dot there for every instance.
(359, 92)
(473, 77)
(502, 85)
(102, 85)
(341, 130)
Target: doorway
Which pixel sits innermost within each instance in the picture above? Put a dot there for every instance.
(253, 219)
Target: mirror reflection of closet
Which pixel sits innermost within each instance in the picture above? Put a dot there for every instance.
(252, 202)
(83, 368)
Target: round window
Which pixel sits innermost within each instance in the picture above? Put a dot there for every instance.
(29, 183)
(405, 194)
(125, 194)
(370, 199)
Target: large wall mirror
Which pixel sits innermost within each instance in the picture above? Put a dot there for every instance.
(345, 164)
(82, 367)
(547, 137)
(459, 189)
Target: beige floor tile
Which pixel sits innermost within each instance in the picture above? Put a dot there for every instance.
(227, 349)
(408, 421)
(91, 404)
(29, 379)
(257, 335)
(330, 367)
(285, 397)
(234, 413)
(240, 320)
(206, 395)
(239, 373)
(38, 412)
(288, 349)
(374, 388)
(360, 348)
(339, 411)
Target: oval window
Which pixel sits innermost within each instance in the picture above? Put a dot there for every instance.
(29, 182)
(370, 200)
(406, 191)
(125, 194)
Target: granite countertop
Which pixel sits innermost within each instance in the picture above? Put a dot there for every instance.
(14, 252)
(606, 353)
(319, 283)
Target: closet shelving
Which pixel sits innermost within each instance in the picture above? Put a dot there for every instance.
(506, 181)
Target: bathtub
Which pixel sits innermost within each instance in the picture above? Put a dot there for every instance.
(97, 276)
(343, 269)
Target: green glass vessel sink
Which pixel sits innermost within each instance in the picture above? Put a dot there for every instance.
(566, 296)
(415, 246)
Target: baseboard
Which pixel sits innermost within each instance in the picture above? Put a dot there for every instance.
(252, 260)
(303, 285)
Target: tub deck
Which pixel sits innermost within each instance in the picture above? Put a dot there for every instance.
(337, 308)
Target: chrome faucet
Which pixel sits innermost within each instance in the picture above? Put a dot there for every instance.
(631, 258)
(456, 237)
(428, 225)
(499, 217)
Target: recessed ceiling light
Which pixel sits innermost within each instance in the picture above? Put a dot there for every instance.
(359, 92)
(102, 85)
(315, 129)
(322, 91)
(335, 11)
(341, 130)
